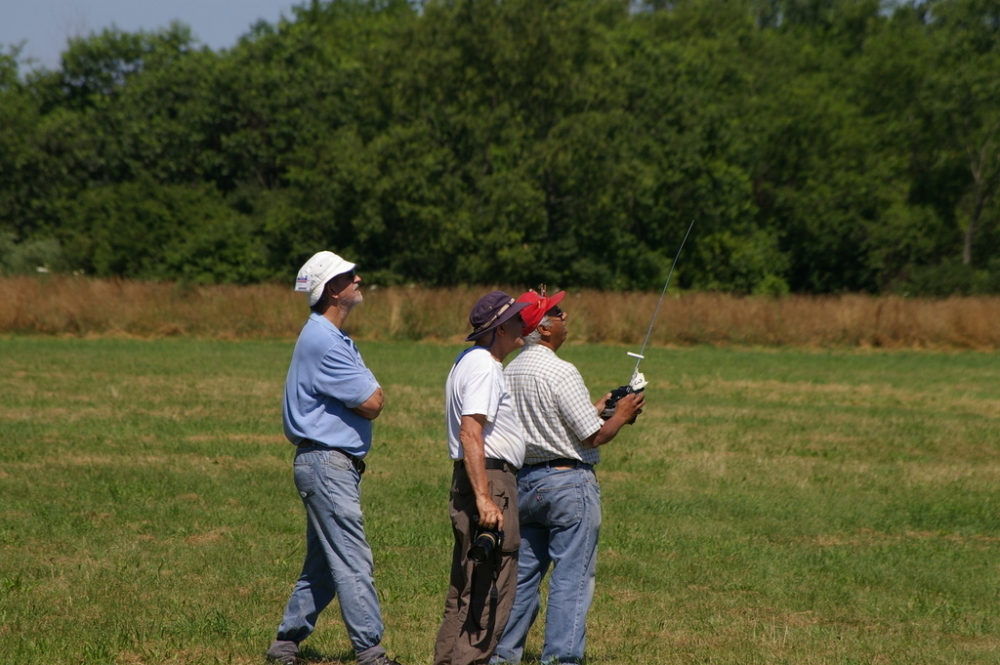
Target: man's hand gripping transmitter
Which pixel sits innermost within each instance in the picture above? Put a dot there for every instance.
(636, 385)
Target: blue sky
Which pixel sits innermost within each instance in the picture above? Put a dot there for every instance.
(46, 25)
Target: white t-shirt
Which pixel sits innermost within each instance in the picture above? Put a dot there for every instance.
(476, 386)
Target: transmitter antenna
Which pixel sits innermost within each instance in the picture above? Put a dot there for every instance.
(640, 356)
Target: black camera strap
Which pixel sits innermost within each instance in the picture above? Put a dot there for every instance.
(494, 590)
(497, 558)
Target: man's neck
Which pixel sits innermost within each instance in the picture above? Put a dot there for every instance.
(498, 349)
(336, 316)
(492, 349)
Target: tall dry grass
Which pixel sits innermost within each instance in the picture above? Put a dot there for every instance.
(79, 306)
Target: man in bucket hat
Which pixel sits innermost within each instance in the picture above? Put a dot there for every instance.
(560, 501)
(485, 441)
(331, 399)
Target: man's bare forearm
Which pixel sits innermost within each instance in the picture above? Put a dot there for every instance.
(371, 407)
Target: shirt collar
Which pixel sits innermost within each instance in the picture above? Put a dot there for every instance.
(325, 322)
(544, 349)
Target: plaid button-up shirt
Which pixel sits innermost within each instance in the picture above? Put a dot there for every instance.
(553, 405)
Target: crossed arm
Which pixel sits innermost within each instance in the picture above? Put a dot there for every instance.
(372, 406)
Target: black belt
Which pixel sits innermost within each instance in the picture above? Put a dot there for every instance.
(492, 464)
(356, 462)
(560, 461)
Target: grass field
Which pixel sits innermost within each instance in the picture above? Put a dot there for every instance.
(771, 506)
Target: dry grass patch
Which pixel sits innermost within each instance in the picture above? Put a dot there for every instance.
(205, 465)
(208, 537)
(983, 473)
(78, 306)
(869, 538)
(265, 439)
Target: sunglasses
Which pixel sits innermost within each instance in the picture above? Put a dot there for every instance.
(333, 283)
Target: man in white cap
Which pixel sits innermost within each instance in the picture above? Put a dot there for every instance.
(331, 399)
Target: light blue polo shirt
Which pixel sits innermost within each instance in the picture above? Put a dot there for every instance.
(326, 379)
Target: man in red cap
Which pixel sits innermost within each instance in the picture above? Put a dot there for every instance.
(486, 442)
(560, 501)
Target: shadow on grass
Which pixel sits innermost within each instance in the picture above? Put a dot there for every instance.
(310, 655)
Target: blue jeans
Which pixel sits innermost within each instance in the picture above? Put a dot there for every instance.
(560, 512)
(338, 559)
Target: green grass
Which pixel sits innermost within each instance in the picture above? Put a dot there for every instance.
(769, 507)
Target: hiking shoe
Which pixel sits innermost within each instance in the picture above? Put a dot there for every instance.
(284, 652)
(384, 660)
(286, 659)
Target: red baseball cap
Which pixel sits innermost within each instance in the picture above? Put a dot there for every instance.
(537, 307)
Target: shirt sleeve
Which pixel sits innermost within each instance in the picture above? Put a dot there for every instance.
(481, 395)
(575, 407)
(343, 375)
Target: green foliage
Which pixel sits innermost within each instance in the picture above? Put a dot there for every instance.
(749, 263)
(951, 277)
(820, 145)
(145, 230)
(96, 68)
(35, 255)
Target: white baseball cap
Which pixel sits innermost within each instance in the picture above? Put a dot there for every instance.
(317, 271)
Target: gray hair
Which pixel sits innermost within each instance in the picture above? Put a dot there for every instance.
(534, 337)
(324, 298)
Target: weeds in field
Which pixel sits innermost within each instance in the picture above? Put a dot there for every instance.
(77, 306)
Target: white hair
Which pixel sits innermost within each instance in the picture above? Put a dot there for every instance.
(534, 337)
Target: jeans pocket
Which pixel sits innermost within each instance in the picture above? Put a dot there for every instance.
(341, 482)
(305, 478)
(563, 504)
(335, 462)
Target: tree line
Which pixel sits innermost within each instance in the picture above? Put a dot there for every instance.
(819, 146)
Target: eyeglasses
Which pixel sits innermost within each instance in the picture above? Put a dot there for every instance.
(334, 282)
(556, 313)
